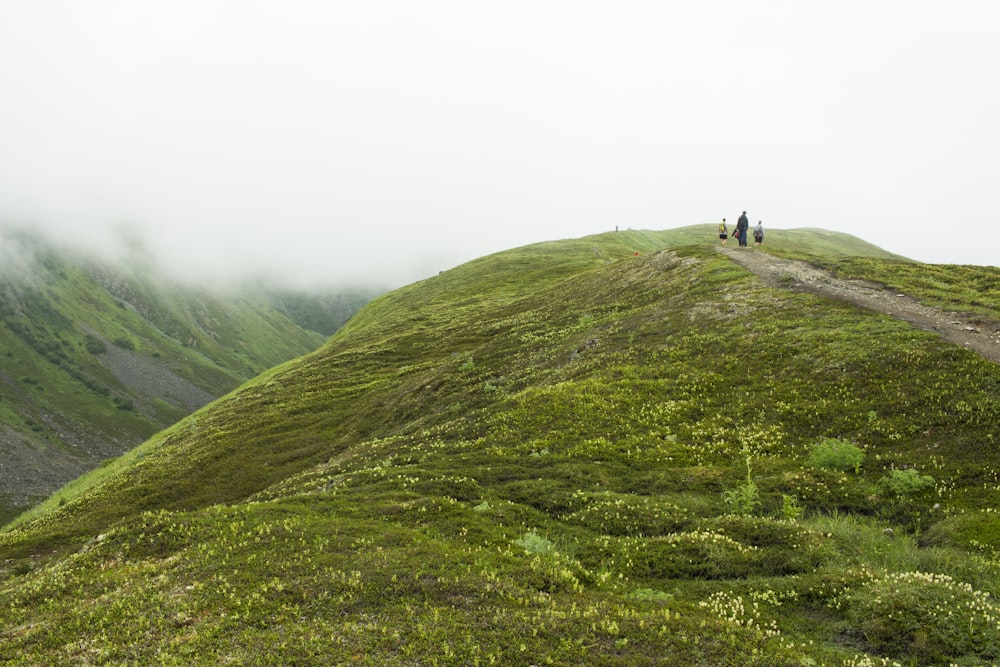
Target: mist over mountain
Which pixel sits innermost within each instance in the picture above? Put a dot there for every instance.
(384, 142)
(243, 256)
(100, 350)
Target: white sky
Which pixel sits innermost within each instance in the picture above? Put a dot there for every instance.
(393, 138)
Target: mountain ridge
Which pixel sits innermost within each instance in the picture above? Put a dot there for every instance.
(621, 449)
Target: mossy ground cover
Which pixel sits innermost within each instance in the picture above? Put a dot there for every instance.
(526, 461)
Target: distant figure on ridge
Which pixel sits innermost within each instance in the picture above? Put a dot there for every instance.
(758, 234)
(723, 231)
(742, 225)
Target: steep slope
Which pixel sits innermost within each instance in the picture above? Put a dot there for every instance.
(96, 358)
(624, 449)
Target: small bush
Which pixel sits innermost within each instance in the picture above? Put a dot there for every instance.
(95, 345)
(534, 543)
(124, 343)
(836, 454)
(902, 483)
(124, 404)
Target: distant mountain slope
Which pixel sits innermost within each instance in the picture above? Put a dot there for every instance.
(94, 359)
(324, 312)
(618, 450)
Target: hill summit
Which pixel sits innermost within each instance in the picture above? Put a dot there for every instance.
(622, 449)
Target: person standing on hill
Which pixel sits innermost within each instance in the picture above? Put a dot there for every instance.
(758, 234)
(742, 225)
(723, 232)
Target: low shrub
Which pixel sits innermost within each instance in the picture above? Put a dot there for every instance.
(125, 343)
(95, 345)
(627, 514)
(534, 543)
(975, 530)
(693, 555)
(927, 617)
(780, 547)
(903, 483)
(836, 454)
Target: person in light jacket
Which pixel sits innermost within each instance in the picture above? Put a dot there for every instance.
(758, 234)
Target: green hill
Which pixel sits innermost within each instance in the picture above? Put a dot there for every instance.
(621, 449)
(808, 242)
(95, 358)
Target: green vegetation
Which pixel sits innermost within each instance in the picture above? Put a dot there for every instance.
(98, 358)
(640, 486)
(835, 454)
(973, 290)
(902, 483)
(745, 498)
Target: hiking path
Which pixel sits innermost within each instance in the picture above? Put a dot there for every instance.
(971, 332)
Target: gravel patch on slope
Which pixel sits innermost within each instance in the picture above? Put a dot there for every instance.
(151, 378)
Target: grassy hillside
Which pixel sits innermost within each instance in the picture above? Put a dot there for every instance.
(802, 242)
(94, 359)
(568, 453)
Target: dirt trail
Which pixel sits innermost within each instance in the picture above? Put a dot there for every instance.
(977, 335)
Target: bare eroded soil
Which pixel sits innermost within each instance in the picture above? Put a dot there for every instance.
(977, 335)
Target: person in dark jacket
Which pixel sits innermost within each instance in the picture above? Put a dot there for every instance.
(742, 225)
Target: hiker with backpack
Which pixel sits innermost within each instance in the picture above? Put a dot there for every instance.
(742, 225)
(723, 232)
(758, 234)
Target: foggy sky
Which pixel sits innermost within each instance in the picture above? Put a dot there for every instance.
(389, 140)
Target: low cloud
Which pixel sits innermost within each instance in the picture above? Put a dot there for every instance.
(324, 143)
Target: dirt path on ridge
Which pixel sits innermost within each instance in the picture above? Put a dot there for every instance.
(977, 335)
